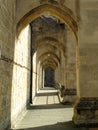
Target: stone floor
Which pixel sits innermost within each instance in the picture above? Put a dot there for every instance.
(46, 97)
(47, 114)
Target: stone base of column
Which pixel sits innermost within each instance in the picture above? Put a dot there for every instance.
(68, 96)
(86, 112)
(68, 99)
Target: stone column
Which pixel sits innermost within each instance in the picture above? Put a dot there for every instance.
(62, 70)
(69, 94)
(34, 77)
(86, 107)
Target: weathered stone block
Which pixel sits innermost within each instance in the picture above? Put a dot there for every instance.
(86, 111)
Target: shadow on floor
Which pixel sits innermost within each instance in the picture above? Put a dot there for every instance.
(49, 106)
(59, 126)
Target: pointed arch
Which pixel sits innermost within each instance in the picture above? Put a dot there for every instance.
(51, 55)
(52, 42)
(64, 14)
(49, 61)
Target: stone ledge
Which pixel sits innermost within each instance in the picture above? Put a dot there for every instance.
(88, 103)
(69, 92)
(86, 111)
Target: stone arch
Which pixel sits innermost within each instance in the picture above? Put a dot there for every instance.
(49, 65)
(49, 61)
(61, 12)
(52, 55)
(50, 41)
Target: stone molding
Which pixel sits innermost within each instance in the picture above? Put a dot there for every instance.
(69, 92)
(86, 112)
(4, 58)
(88, 103)
(11, 61)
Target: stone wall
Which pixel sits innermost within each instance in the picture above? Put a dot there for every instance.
(70, 61)
(14, 66)
(7, 12)
(88, 53)
(88, 41)
(21, 74)
(29, 5)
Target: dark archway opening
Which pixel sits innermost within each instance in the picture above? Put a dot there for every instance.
(49, 77)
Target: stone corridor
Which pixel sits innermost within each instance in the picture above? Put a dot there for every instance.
(47, 115)
(48, 64)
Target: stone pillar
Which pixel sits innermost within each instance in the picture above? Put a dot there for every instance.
(34, 78)
(69, 93)
(56, 74)
(41, 78)
(62, 69)
(86, 106)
